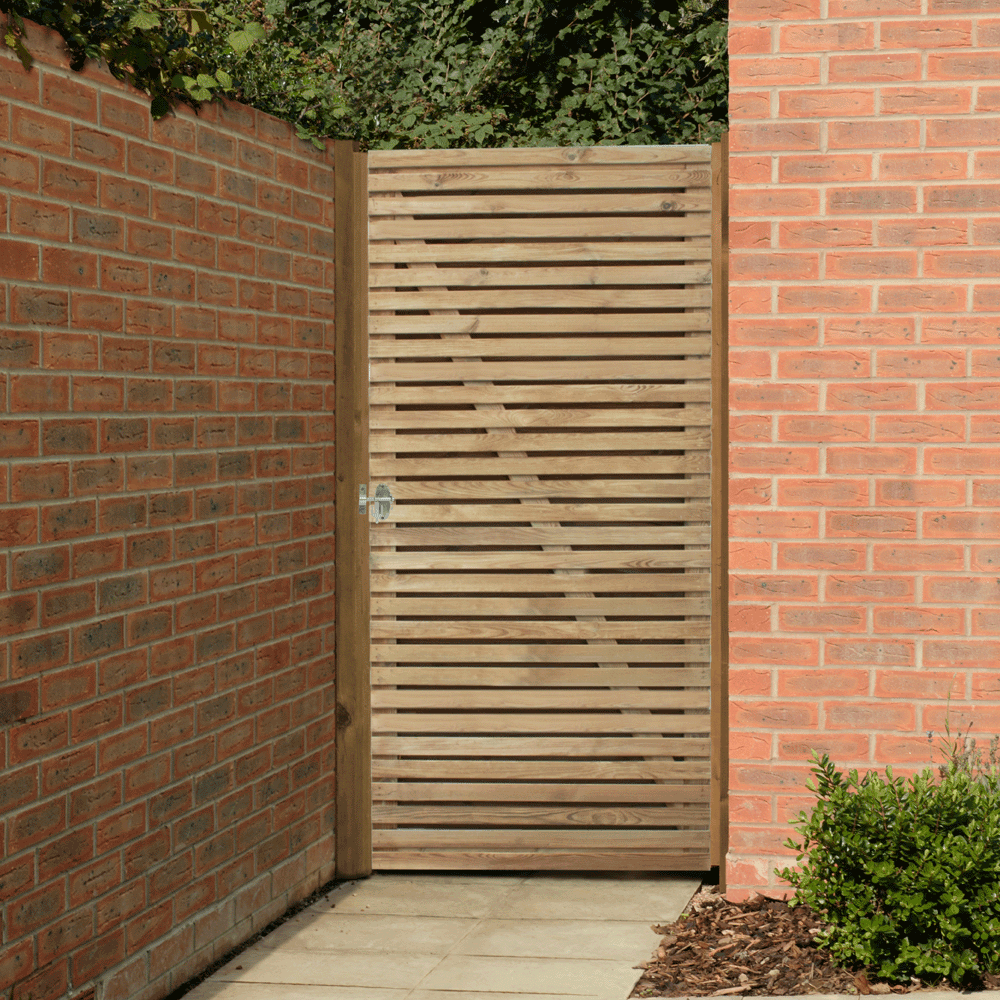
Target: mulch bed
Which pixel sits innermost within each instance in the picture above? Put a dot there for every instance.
(759, 947)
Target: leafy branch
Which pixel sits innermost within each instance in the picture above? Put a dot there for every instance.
(172, 52)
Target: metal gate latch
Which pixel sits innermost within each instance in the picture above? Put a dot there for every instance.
(381, 502)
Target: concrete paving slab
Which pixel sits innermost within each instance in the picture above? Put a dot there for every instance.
(474, 995)
(431, 896)
(219, 990)
(466, 995)
(648, 898)
(391, 969)
(334, 931)
(564, 976)
(611, 940)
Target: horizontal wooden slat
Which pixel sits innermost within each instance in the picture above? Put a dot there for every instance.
(510, 252)
(430, 489)
(669, 859)
(501, 769)
(480, 722)
(547, 204)
(436, 653)
(409, 512)
(514, 559)
(382, 442)
(589, 747)
(543, 629)
(442, 445)
(520, 347)
(565, 582)
(547, 699)
(521, 190)
(543, 677)
(547, 274)
(389, 324)
(692, 415)
(511, 535)
(567, 156)
(517, 228)
(615, 299)
(522, 607)
(493, 791)
(619, 369)
(447, 395)
(485, 815)
(475, 467)
(381, 159)
(472, 839)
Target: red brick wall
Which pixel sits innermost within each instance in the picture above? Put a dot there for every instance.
(865, 387)
(166, 531)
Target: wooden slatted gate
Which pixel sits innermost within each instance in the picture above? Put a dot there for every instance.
(542, 330)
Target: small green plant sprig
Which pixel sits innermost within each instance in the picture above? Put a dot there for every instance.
(905, 873)
(171, 49)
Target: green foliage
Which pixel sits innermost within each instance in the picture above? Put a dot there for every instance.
(421, 73)
(447, 73)
(172, 51)
(610, 72)
(906, 874)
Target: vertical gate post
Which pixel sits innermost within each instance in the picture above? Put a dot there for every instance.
(720, 506)
(353, 833)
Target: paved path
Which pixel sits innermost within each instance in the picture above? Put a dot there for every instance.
(460, 937)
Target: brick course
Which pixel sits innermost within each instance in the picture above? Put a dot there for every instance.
(166, 574)
(865, 315)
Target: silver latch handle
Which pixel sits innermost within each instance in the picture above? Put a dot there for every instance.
(381, 501)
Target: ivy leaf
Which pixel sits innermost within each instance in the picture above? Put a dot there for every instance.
(144, 20)
(13, 41)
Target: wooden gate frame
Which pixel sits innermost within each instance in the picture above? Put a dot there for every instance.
(353, 810)
(353, 824)
(720, 509)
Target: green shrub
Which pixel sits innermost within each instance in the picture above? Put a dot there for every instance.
(418, 73)
(906, 874)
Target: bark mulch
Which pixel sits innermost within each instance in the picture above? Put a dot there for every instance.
(759, 947)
